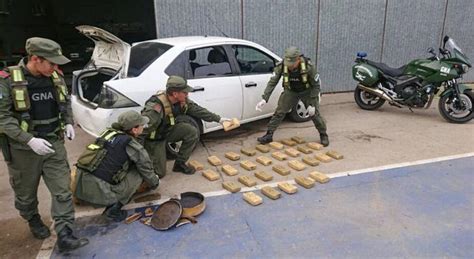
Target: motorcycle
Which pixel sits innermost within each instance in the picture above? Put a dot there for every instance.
(415, 85)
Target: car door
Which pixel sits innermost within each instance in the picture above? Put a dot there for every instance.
(216, 83)
(256, 68)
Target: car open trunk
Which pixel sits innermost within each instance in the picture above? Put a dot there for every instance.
(87, 84)
(108, 59)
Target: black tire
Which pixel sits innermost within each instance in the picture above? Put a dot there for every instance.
(450, 108)
(367, 101)
(172, 149)
(299, 113)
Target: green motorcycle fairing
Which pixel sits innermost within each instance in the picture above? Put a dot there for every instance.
(432, 71)
(461, 88)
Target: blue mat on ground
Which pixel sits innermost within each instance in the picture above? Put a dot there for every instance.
(424, 210)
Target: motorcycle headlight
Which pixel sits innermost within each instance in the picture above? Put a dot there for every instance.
(465, 68)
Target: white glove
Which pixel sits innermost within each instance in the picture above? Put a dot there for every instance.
(260, 105)
(40, 146)
(311, 111)
(221, 121)
(70, 133)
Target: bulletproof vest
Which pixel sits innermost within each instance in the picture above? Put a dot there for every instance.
(38, 102)
(116, 157)
(168, 114)
(44, 106)
(296, 80)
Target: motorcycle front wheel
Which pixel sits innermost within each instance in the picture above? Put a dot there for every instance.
(457, 110)
(366, 100)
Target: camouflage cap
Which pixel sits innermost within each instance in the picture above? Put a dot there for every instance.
(291, 55)
(47, 49)
(130, 119)
(178, 83)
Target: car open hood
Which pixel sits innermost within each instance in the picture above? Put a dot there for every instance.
(109, 51)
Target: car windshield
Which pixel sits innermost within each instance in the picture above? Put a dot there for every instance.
(451, 46)
(143, 55)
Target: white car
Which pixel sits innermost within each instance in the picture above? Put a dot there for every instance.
(228, 75)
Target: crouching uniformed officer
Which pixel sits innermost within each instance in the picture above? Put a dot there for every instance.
(164, 110)
(35, 113)
(300, 82)
(111, 170)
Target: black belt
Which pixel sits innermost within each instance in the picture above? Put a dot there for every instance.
(51, 136)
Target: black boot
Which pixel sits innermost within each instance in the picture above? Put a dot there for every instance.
(324, 139)
(38, 228)
(67, 241)
(267, 138)
(115, 212)
(180, 166)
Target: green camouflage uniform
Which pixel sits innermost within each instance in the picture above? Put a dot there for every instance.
(165, 132)
(26, 167)
(289, 98)
(97, 191)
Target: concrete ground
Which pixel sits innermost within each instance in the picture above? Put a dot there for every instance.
(366, 138)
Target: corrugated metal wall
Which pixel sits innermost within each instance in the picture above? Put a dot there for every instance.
(330, 32)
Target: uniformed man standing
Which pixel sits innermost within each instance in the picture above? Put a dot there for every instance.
(111, 180)
(300, 82)
(35, 113)
(165, 110)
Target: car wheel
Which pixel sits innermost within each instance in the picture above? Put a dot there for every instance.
(299, 113)
(172, 148)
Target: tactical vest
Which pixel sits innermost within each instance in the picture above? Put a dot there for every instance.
(296, 80)
(167, 114)
(22, 102)
(114, 163)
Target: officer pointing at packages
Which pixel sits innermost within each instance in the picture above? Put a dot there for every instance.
(300, 82)
(168, 123)
(111, 179)
(35, 114)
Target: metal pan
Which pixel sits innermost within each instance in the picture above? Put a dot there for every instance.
(167, 215)
(193, 204)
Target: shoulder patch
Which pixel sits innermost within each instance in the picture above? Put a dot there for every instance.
(4, 74)
(157, 107)
(316, 77)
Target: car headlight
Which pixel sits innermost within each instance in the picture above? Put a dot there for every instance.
(110, 98)
(465, 68)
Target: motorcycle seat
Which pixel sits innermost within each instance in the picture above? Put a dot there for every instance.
(394, 72)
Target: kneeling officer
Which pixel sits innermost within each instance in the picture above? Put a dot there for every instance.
(166, 111)
(111, 170)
